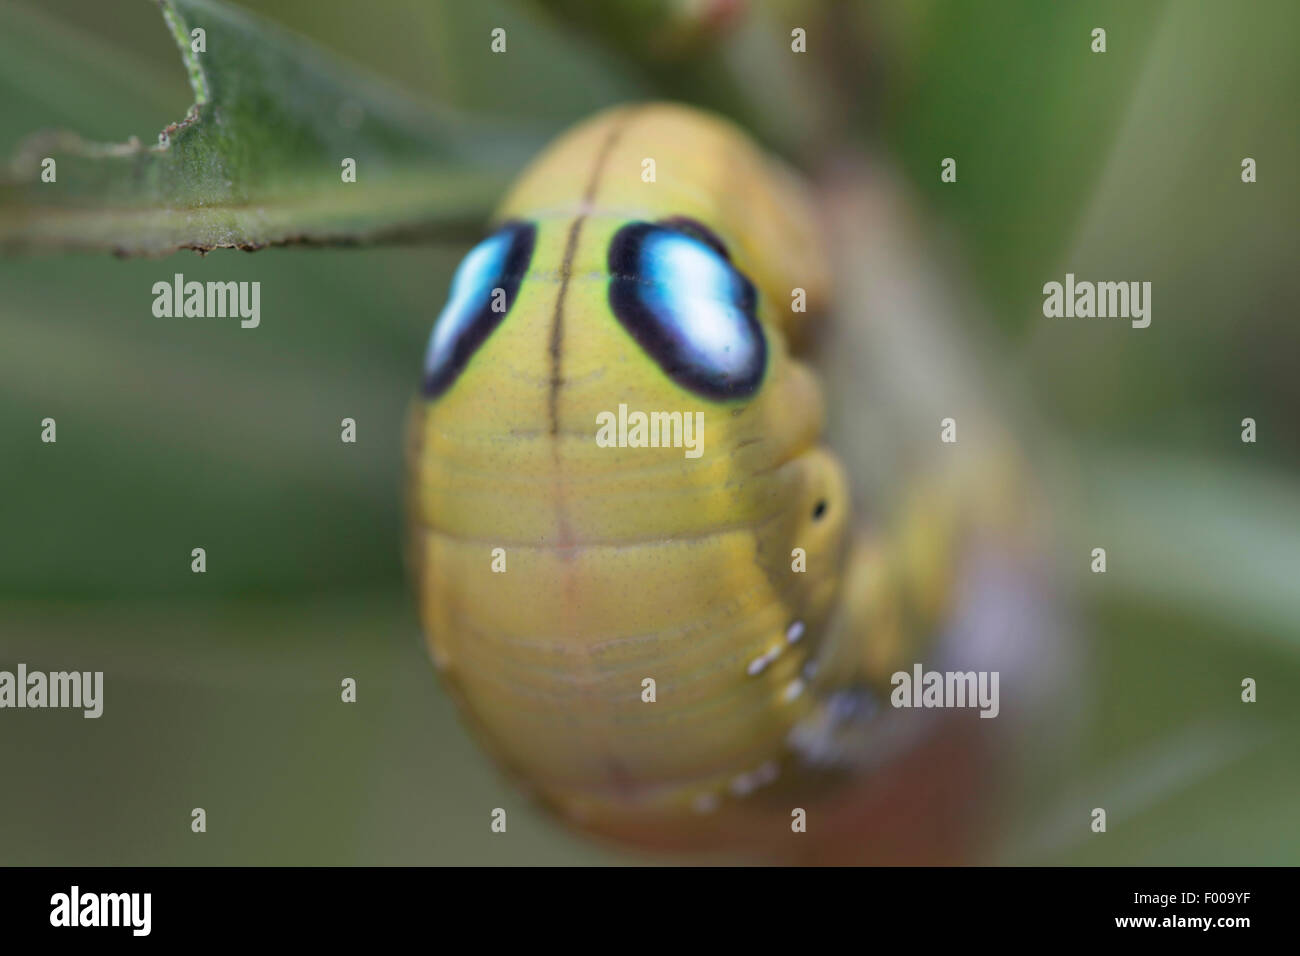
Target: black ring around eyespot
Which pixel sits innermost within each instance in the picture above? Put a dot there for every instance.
(693, 227)
(661, 336)
(476, 327)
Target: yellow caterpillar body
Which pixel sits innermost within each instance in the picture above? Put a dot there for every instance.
(641, 636)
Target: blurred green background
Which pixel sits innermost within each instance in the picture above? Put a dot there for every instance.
(222, 689)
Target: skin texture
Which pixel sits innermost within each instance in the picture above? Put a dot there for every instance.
(630, 563)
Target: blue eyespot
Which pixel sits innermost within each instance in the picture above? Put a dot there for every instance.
(474, 307)
(675, 292)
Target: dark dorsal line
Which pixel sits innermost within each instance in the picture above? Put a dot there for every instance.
(566, 268)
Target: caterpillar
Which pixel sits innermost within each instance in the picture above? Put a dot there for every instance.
(669, 650)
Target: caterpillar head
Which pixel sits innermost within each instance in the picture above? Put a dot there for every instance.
(670, 286)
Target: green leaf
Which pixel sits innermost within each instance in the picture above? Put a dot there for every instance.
(1218, 539)
(257, 160)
